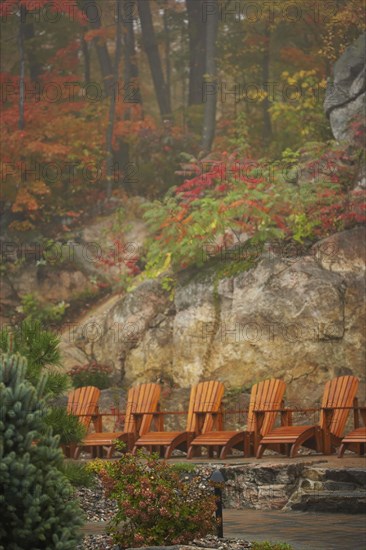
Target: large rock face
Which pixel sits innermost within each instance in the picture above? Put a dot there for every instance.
(300, 318)
(346, 95)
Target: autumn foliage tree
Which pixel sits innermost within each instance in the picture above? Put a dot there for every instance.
(85, 86)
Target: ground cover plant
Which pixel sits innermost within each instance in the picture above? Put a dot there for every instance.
(78, 474)
(271, 546)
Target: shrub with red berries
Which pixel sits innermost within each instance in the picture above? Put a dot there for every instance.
(91, 374)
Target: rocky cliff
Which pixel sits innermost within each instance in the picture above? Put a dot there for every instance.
(300, 317)
(346, 93)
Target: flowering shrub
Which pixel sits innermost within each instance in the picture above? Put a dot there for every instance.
(91, 374)
(155, 506)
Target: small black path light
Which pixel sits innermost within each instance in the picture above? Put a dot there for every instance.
(217, 481)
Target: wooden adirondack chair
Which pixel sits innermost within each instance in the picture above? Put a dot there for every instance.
(203, 414)
(338, 399)
(83, 403)
(355, 440)
(142, 403)
(266, 395)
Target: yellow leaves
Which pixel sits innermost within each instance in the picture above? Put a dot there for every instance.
(26, 225)
(39, 188)
(322, 83)
(24, 201)
(168, 261)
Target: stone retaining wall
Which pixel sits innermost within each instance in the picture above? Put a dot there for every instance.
(297, 486)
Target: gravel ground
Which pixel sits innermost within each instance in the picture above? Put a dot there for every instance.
(98, 510)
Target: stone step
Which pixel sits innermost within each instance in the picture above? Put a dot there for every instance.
(350, 502)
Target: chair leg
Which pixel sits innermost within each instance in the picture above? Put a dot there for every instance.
(246, 445)
(294, 449)
(224, 452)
(168, 451)
(77, 453)
(260, 450)
(342, 448)
(318, 441)
(190, 452)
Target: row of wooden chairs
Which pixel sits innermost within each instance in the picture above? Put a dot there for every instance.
(144, 424)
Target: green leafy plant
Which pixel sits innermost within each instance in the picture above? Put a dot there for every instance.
(155, 506)
(91, 374)
(65, 425)
(183, 467)
(78, 474)
(34, 310)
(36, 505)
(231, 201)
(271, 546)
(40, 348)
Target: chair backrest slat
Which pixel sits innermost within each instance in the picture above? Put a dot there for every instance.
(265, 395)
(142, 399)
(339, 392)
(205, 400)
(83, 402)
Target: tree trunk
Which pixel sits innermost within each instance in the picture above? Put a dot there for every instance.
(167, 51)
(152, 52)
(267, 127)
(104, 59)
(113, 102)
(131, 72)
(21, 36)
(197, 50)
(86, 56)
(35, 68)
(209, 122)
(132, 94)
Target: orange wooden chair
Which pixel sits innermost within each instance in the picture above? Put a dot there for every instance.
(203, 414)
(142, 403)
(265, 399)
(356, 440)
(83, 403)
(338, 400)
